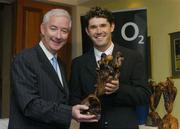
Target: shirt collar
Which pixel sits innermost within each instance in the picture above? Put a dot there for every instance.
(107, 52)
(48, 54)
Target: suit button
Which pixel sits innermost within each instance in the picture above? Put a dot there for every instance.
(105, 125)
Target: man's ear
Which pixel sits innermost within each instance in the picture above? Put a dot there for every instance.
(112, 27)
(87, 31)
(42, 27)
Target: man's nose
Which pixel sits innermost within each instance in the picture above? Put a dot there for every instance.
(99, 30)
(58, 35)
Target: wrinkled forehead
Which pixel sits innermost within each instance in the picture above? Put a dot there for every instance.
(59, 21)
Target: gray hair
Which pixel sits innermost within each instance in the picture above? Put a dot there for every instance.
(56, 12)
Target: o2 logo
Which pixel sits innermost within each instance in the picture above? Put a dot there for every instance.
(135, 35)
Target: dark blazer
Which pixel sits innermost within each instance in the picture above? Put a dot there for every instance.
(38, 101)
(118, 109)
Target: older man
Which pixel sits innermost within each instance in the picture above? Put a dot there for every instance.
(40, 95)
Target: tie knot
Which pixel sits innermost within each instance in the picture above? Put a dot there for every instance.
(54, 59)
(103, 55)
(54, 63)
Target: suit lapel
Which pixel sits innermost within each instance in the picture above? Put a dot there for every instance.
(91, 64)
(47, 67)
(116, 49)
(63, 73)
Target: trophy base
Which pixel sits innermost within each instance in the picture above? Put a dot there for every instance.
(94, 106)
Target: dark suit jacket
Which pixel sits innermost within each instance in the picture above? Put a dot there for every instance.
(118, 109)
(38, 101)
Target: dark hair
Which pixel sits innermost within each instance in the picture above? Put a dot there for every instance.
(99, 13)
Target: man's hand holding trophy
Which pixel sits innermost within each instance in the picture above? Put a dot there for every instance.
(108, 72)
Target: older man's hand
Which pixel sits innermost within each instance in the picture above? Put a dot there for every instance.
(76, 114)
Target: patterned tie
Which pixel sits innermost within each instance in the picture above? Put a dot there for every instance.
(54, 63)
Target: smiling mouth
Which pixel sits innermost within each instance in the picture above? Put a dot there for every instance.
(57, 41)
(99, 38)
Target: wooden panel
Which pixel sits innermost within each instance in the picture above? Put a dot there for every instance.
(31, 35)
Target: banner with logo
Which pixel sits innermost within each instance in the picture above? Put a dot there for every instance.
(131, 32)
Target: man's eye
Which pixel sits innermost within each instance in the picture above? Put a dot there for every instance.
(103, 25)
(65, 30)
(92, 27)
(53, 28)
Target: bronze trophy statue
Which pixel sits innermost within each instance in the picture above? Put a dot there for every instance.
(169, 95)
(108, 69)
(153, 118)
